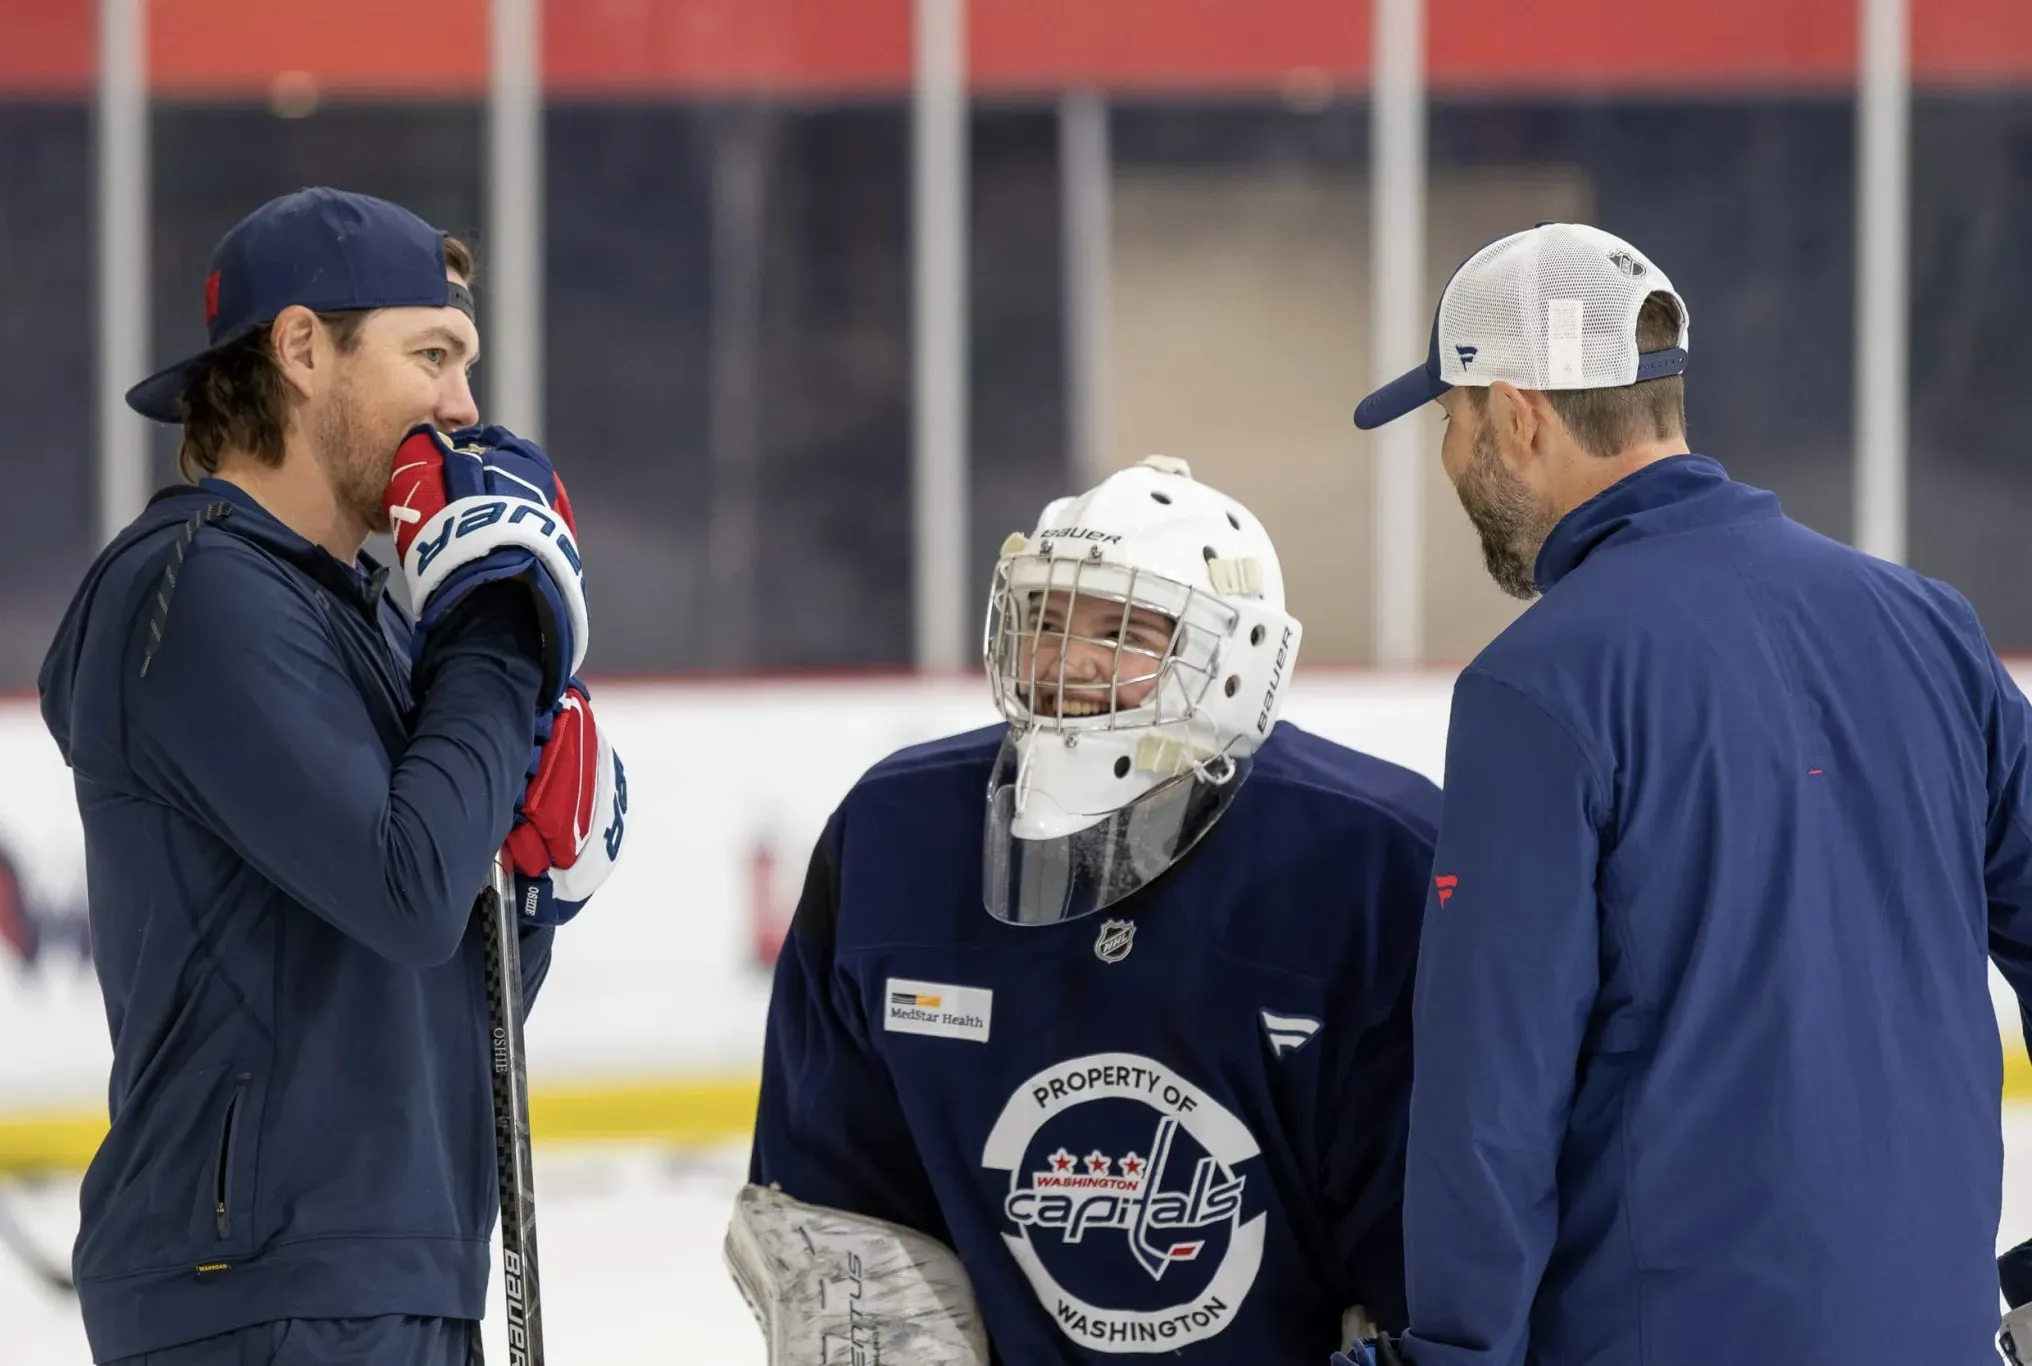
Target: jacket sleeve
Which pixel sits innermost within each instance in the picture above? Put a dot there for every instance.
(247, 719)
(1363, 1183)
(1507, 977)
(830, 1129)
(2007, 868)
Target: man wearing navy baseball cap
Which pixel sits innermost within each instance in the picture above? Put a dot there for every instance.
(291, 790)
(1705, 1068)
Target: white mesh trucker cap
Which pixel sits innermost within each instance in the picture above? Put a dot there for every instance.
(1552, 307)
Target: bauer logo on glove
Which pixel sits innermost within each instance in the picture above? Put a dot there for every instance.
(482, 504)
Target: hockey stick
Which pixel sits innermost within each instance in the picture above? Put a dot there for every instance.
(31, 1257)
(496, 911)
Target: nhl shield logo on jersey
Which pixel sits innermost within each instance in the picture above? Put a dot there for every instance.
(1127, 1207)
(1115, 940)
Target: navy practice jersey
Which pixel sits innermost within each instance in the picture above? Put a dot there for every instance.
(1172, 1128)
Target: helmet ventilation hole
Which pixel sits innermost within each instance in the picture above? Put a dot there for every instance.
(1256, 635)
(1122, 767)
(1233, 685)
(1209, 553)
(1234, 521)
(1161, 497)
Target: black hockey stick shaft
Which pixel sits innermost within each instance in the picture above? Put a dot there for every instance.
(496, 909)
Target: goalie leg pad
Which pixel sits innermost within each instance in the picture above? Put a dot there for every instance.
(831, 1287)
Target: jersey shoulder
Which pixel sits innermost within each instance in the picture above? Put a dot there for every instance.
(1305, 763)
(1320, 868)
(938, 788)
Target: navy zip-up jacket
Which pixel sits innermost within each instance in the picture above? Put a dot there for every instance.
(1706, 1066)
(283, 844)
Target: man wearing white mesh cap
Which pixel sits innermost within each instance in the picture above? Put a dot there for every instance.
(1706, 1068)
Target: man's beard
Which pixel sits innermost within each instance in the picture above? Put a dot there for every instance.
(357, 458)
(1511, 526)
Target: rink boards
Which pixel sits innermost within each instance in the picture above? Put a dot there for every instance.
(651, 1022)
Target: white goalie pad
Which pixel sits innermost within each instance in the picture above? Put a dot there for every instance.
(831, 1288)
(2014, 1336)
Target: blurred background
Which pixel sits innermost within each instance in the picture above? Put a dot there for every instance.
(813, 301)
(719, 237)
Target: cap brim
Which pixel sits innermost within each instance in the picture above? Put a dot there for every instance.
(1410, 390)
(156, 397)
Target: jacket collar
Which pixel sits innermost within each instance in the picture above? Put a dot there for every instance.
(1678, 493)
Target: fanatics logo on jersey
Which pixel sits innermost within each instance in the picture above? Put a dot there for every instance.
(937, 1009)
(1288, 1033)
(1127, 1206)
(1117, 937)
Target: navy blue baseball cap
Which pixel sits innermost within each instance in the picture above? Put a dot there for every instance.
(329, 250)
(1552, 307)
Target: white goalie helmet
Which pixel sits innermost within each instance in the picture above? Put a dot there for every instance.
(1138, 646)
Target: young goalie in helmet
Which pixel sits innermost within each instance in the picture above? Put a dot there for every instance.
(1109, 1001)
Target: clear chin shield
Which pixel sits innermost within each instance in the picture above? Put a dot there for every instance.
(1043, 863)
(1111, 772)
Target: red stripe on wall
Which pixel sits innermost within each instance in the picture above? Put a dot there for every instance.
(1155, 45)
(1981, 41)
(219, 48)
(421, 48)
(1592, 45)
(47, 48)
(595, 47)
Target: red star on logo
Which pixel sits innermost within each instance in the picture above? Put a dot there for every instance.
(1063, 1161)
(1131, 1165)
(1097, 1164)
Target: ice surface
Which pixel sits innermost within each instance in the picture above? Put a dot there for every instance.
(630, 1244)
(628, 1240)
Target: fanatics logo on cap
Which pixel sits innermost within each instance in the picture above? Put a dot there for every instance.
(211, 297)
(1444, 885)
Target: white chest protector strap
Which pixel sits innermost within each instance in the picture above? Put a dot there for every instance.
(829, 1287)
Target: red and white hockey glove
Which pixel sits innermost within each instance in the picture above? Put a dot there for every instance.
(571, 820)
(479, 504)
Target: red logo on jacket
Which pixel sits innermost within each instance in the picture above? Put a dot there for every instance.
(1445, 883)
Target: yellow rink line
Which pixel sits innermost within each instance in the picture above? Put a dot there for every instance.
(683, 1113)
(686, 1113)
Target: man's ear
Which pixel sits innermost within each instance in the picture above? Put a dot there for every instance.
(1529, 428)
(1513, 422)
(294, 336)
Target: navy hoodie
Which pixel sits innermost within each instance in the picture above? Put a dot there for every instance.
(1706, 1064)
(283, 844)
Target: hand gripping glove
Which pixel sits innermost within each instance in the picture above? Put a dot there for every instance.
(482, 504)
(571, 820)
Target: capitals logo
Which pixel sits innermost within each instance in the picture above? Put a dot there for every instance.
(1127, 1208)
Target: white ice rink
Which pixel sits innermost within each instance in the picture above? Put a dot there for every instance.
(630, 1246)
